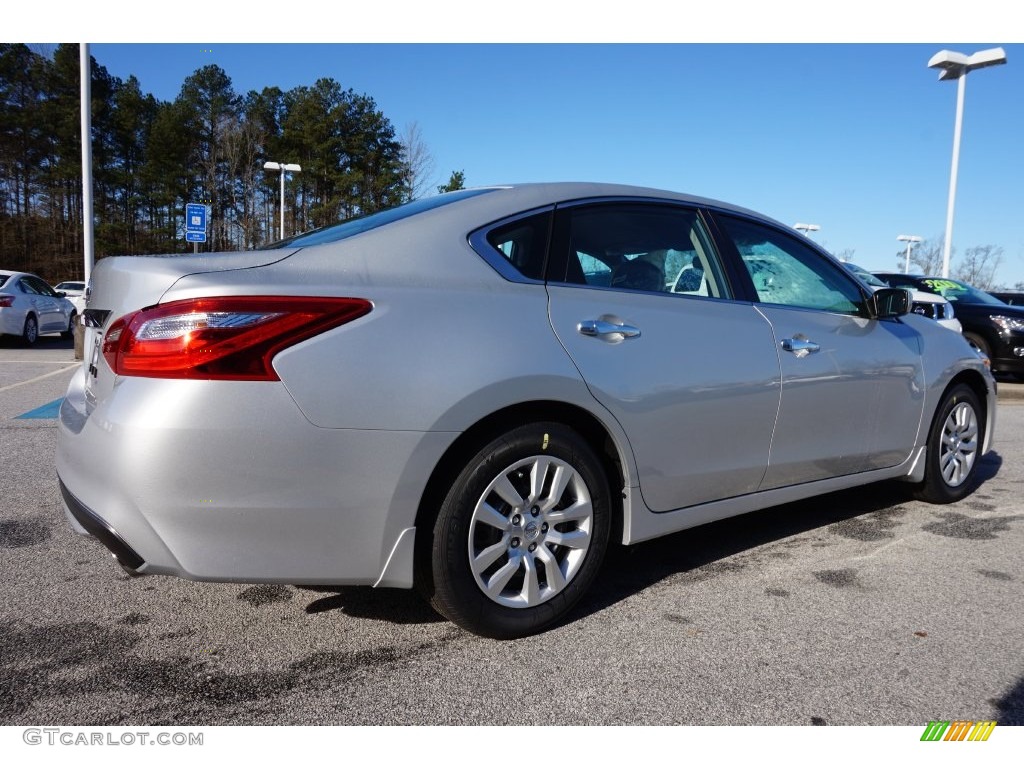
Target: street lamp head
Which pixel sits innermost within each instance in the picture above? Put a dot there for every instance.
(908, 238)
(806, 227)
(269, 166)
(291, 167)
(954, 64)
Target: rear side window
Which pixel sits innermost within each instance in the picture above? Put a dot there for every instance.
(523, 243)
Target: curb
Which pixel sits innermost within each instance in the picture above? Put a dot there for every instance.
(1008, 392)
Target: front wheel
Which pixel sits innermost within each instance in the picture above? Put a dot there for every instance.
(954, 448)
(522, 532)
(70, 332)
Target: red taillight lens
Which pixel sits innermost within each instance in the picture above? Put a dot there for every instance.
(220, 338)
(6, 301)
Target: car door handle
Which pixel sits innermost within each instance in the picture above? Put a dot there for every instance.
(801, 347)
(602, 328)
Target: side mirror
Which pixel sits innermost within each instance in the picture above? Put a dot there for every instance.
(890, 302)
(62, 294)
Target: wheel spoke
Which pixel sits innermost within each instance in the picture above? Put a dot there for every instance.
(538, 474)
(484, 560)
(531, 584)
(503, 575)
(552, 569)
(504, 488)
(560, 481)
(581, 510)
(488, 515)
(578, 539)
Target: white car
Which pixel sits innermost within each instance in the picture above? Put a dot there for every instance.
(29, 307)
(926, 304)
(74, 291)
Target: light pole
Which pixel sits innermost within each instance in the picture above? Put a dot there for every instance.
(957, 65)
(909, 240)
(282, 167)
(806, 228)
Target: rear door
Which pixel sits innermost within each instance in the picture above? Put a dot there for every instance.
(852, 387)
(640, 301)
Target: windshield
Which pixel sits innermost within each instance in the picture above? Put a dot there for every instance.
(955, 291)
(335, 232)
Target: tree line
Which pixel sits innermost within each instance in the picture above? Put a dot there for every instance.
(208, 145)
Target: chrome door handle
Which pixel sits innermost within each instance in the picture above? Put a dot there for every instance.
(600, 328)
(800, 347)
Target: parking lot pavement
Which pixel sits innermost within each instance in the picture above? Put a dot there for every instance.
(862, 607)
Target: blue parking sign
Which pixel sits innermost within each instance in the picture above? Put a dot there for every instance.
(195, 217)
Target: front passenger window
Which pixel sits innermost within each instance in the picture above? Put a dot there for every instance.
(787, 272)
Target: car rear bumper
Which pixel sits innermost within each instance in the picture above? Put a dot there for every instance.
(162, 473)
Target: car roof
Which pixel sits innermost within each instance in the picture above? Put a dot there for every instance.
(523, 196)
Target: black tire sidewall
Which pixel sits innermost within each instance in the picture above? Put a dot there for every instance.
(456, 594)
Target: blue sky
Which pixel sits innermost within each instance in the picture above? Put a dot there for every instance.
(853, 136)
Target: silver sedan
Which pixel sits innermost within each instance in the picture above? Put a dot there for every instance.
(475, 393)
(30, 307)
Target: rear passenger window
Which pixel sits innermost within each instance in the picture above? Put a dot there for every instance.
(637, 247)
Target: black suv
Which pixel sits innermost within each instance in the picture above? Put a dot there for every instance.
(993, 326)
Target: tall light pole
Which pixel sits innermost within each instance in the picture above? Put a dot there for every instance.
(806, 228)
(909, 240)
(957, 65)
(282, 167)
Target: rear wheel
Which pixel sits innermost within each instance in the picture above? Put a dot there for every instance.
(954, 447)
(522, 532)
(30, 334)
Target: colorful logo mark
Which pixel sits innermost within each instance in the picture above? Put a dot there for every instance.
(958, 730)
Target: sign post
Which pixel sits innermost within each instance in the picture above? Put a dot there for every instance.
(195, 224)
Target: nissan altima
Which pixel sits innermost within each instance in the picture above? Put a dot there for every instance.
(475, 393)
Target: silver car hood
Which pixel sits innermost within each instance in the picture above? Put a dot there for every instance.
(122, 284)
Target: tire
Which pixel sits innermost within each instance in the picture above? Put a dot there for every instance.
(70, 332)
(954, 448)
(521, 534)
(30, 334)
(980, 343)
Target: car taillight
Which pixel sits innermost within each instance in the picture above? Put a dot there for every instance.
(220, 338)
(6, 301)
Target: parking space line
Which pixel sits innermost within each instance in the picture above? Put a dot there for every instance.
(39, 378)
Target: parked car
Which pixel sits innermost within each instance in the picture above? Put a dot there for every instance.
(74, 291)
(30, 307)
(474, 393)
(1016, 298)
(924, 303)
(994, 327)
